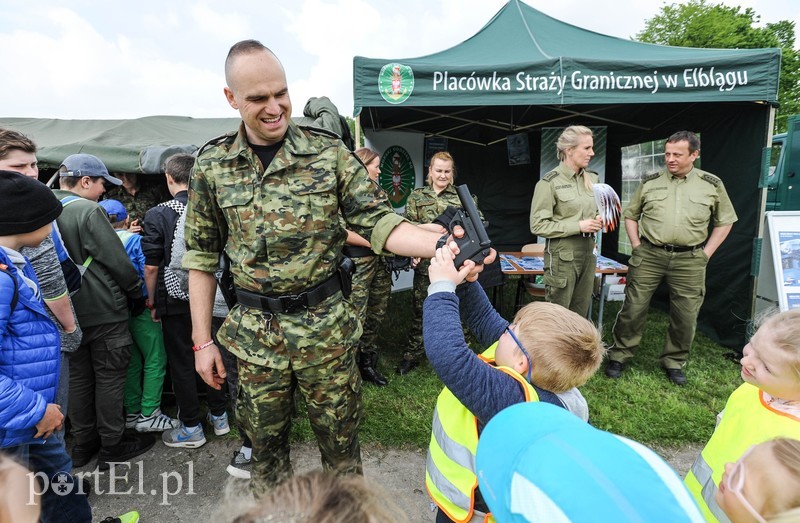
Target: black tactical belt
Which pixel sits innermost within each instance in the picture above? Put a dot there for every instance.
(673, 248)
(357, 251)
(291, 303)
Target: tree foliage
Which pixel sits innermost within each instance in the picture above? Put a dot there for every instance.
(701, 24)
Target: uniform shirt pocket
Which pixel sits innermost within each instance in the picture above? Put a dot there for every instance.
(699, 209)
(315, 201)
(653, 204)
(567, 202)
(236, 201)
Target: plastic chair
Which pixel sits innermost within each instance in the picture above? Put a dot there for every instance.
(527, 284)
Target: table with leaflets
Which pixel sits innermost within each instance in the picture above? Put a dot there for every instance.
(515, 263)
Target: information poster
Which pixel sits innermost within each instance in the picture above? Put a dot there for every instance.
(779, 269)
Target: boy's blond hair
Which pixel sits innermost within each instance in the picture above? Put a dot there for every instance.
(565, 348)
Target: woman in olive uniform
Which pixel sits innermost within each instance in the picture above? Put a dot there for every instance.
(564, 212)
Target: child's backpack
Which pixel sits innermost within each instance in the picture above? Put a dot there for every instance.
(15, 298)
(176, 278)
(73, 273)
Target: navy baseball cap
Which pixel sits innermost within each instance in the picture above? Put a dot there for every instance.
(114, 208)
(538, 462)
(79, 165)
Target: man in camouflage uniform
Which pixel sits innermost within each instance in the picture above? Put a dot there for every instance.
(667, 221)
(276, 198)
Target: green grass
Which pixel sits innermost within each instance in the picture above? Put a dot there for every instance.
(642, 405)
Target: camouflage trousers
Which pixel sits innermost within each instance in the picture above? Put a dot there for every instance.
(378, 301)
(415, 349)
(366, 268)
(332, 393)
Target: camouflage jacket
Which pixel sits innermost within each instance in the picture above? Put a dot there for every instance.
(283, 229)
(137, 205)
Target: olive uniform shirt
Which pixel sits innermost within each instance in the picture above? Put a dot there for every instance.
(677, 211)
(561, 200)
(282, 229)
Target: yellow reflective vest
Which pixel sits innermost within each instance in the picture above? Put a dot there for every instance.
(450, 475)
(746, 421)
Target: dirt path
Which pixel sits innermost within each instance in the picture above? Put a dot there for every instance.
(181, 485)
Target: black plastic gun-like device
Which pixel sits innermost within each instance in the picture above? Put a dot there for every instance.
(475, 244)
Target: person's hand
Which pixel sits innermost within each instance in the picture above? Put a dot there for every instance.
(153, 315)
(590, 226)
(75, 336)
(415, 262)
(442, 267)
(446, 217)
(475, 268)
(135, 227)
(52, 420)
(208, 364)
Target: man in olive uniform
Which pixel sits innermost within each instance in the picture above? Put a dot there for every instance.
(667, 221)
(276, 198)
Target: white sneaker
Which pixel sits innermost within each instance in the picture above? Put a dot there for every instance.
(156, 422)
(131, 419)
(220, 423)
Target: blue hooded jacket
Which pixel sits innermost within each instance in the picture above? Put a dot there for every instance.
(29, 357)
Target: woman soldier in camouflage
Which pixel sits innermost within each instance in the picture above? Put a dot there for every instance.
(423, 206)
(371, 285)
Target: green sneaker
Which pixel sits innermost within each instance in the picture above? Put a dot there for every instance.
(128, 517)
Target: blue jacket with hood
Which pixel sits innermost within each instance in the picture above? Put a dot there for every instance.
(29, 356)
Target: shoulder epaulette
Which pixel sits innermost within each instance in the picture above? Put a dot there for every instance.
(650, 177)
(216, 141)
(713, 180)
(320, 130)
(549, 176)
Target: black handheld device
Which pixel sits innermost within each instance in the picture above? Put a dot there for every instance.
(475, 244)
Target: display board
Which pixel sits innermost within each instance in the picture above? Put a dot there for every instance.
(779, 270)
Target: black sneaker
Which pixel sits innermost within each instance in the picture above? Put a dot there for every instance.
(82, 453)
(240, 466)
(614, 369)
(129, 447)
(676, 376)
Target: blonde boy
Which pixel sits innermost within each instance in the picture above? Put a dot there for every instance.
(543, 356)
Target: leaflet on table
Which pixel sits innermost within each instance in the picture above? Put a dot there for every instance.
(608, 263)
(505, 265)
(530, 263)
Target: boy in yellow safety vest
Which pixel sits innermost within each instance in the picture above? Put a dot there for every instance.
(543, 356)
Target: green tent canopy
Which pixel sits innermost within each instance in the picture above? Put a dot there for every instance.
(137, 146)
(524, 71)
(523, 57)
(141, 145)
